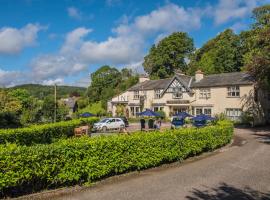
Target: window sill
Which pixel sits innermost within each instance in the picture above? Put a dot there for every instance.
(233, 97)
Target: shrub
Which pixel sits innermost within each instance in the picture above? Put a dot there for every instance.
(42, 134)
(79, 160)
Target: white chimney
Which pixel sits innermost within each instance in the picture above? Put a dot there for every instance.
(198, 75)
(143, 78)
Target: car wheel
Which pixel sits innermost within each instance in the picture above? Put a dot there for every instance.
(104, 128)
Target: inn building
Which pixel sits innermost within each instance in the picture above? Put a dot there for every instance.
(228, 93)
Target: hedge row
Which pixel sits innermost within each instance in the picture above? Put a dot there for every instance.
(78, 160)
(42, 134)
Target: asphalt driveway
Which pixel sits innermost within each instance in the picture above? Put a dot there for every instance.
(239, 172)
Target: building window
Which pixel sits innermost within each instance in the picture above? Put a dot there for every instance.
(135, 110)
(206, 111)
(136, 95)
(234, 113)
(144, 93)
(177, 93)
(158, 108)
(157, 94)
(199, 111)
(233, 91)
(205, 93)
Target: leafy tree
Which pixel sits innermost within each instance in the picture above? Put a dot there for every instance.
(168, 55)
(9, 110)
(95, 108)
(261, 16)
(218, 55)
(23, 96)
(9, 103)
(48, 109)
(107, 82)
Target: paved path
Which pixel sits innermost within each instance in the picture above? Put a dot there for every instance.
(238, 172)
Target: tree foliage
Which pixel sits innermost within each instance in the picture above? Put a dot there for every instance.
(168, 55)
(107, 82)
(220, 54)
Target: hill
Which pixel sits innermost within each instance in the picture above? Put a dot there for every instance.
(41, 91)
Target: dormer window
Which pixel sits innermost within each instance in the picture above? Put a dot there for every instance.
(177, 93)
(233, 91)
(136, 95)
(157, 94)
(205, 93)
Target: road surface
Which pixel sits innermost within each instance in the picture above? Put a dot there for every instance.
(241, 171)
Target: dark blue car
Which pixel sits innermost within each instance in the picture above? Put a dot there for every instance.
(177, 122)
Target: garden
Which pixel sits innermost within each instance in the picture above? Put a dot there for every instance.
(47, 156)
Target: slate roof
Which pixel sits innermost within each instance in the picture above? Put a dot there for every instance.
(224, 79)
(159, 84)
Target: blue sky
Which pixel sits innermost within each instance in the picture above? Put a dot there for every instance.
(64, 41)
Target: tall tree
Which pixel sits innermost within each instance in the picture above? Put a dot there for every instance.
(218, 55)
(168, 55)
(257, 58)
(261, 16)
(107, 82)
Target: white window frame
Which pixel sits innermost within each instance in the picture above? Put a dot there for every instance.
(177, 93)
(205, 93)
(134, 110)
(233, 91)
(158, 94)
(136, 95)
(203, 110)
(234, 113)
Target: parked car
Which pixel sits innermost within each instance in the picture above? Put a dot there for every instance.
(177, 122)
(109, 124)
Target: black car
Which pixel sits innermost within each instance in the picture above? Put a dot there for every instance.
(125, 121)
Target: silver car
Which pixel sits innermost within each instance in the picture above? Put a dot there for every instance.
(109, 124)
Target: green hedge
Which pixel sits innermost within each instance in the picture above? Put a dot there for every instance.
(42, 134)
(78, 160)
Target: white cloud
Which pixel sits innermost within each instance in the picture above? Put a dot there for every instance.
(58, 81)
(13, 40)
(129, 43)
(227, 10)
(10, 78)
(55, 66)
(169, 18)
(74, 13)
(74, 39)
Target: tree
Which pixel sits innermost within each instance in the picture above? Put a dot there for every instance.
(9, 110)
(257, 58)
(261, 15)
(23, 96)
(48, 108)
(168, 55)
(107, 82)
(218, 55)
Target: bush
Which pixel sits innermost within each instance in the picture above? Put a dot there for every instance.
(42, 134)
(78, 160)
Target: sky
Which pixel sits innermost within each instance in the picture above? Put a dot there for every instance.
(64, 41)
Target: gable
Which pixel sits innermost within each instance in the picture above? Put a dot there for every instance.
(175, 85)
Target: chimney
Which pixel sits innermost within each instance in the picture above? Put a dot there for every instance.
(143, 78)
(198, 75)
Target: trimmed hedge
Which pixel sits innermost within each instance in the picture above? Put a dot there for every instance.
(42, 134)
(78, 160)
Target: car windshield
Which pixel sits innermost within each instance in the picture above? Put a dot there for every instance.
(104, 120)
